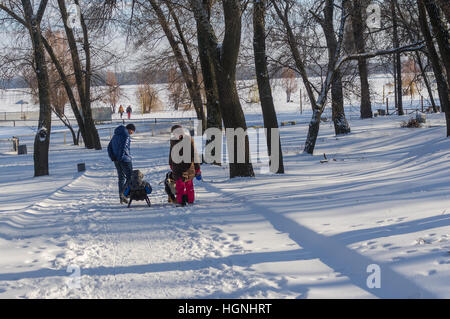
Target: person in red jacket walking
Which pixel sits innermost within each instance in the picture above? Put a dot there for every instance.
(129, 110)
(183, 171)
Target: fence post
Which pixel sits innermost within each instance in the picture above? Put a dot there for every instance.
(421, 102)
(301, 102)
(387, 106)
(15, 144)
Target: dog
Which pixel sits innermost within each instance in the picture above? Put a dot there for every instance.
(170, 188)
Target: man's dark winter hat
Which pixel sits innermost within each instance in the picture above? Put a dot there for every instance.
(131, 127)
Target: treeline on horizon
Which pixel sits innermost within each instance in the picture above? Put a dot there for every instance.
(161, 76)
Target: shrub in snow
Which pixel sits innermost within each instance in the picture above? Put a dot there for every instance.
(412, 123)
(421, 118)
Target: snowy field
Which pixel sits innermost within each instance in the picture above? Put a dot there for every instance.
(382, 199)
(9, 98)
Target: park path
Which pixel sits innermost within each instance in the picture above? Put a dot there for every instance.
(225, 246)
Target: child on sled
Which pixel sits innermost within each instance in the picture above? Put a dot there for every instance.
(137, 188)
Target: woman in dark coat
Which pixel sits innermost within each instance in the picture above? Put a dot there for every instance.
(184, 172)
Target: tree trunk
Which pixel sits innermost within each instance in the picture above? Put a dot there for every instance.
(224, 61)
(426, 81)
(358, 36)
(313, 132)
(265, 91)
(82, 77)
(445, 7)
(42, 139)
(443, 89)
(341, 125)
(398, 63)
(440, 34)
(214, 116)
(87, 110)
(413, 37)
(332, 73)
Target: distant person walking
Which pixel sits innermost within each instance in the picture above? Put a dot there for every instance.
(121, 111)
(119, 153)
(129, 110)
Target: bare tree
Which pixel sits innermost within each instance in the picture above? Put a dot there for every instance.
(214, 116)
(224, 58)
(318, 104)
(334, 65)
(148, 97)
(57, 92)
(341, 125)
(265, 91)
(359, 42)
(397, 60)
(412, 28)
(31, 20)
(440, 33)
(114, 92)
(187, 68)
(442, 84)
(178, 94)
(83, 74)
(288, 82)
(445, 7)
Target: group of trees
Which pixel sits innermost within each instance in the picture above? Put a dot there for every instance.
(60, 62)
(330, 40)
(326, 43)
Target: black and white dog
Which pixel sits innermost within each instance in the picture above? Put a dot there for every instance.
(170, 188)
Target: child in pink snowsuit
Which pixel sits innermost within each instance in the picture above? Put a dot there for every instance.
(182, 172)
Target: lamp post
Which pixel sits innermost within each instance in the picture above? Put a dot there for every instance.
(21, 102)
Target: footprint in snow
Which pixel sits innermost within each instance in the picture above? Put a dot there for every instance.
(432, 272)
(422, 241)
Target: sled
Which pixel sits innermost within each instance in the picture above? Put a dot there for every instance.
(139, 195)
(138, 189)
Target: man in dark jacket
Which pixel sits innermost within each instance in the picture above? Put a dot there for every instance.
(119, 153)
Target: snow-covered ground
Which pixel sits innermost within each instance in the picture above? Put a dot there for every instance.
(314, 232)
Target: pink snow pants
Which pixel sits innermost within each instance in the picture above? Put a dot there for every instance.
(185, 188)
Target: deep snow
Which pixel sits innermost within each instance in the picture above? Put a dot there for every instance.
(383, 198)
